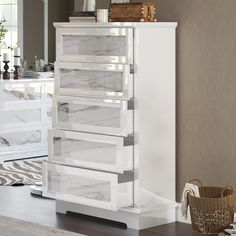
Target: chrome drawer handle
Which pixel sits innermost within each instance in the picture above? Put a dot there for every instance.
(127, 176)
(128, 141)
(131, 104)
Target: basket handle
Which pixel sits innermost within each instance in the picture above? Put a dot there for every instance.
(196, 180)
(226, 188)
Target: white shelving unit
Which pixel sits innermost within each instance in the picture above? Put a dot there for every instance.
(25, 117)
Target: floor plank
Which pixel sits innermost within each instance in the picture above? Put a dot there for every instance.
(17, 202)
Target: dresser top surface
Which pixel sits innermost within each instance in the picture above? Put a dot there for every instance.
(116, 24)
(26, 80)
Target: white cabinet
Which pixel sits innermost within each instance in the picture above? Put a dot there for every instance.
(112, 148)
(25, 117)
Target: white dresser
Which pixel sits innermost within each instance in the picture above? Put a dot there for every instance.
(25, 117)
(112, 148)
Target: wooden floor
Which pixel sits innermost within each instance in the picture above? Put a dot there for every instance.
(17, 202)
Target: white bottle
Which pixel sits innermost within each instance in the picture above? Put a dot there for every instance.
(41, 64)
(25, 65)
(37, 65)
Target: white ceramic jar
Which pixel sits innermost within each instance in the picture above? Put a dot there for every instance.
(102, 15)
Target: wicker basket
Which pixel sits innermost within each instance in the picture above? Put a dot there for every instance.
(213, 211)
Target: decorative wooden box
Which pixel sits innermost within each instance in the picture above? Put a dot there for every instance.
(133, 12)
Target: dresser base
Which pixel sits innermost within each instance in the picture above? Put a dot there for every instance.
(21, 154)
(132, 219)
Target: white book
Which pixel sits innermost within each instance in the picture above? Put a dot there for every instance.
(75, 19)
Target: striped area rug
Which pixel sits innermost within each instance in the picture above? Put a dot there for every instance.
(10, 227)
(20, 172)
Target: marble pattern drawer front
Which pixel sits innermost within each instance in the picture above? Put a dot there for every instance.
(18, 138)
(20, 117)
(94, 80)
(99, 45)
(92, 188)
(24, 114)
(93, 115)
(19, 92)
(100, 152)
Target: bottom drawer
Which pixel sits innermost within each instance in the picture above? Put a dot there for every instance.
(88, 187)
(23, 138)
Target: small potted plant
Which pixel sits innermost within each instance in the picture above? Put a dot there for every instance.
(3, 31)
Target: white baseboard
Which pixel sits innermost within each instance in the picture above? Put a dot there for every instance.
(179, 217)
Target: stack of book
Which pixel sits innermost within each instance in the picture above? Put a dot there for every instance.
(82, 16)
(74, 19)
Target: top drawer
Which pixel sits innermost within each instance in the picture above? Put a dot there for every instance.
(101, 45)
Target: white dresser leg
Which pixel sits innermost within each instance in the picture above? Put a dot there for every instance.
(61, 208)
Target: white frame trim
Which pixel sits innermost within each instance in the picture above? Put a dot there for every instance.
(124, 154)
(127, 32)
(20, 24)
(104, 176)
(46, 31)
(127, 92)
(126, 115)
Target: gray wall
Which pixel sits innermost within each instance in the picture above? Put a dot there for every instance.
(58, 10)
(206, 89)
(33, 29)
(99, 4)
